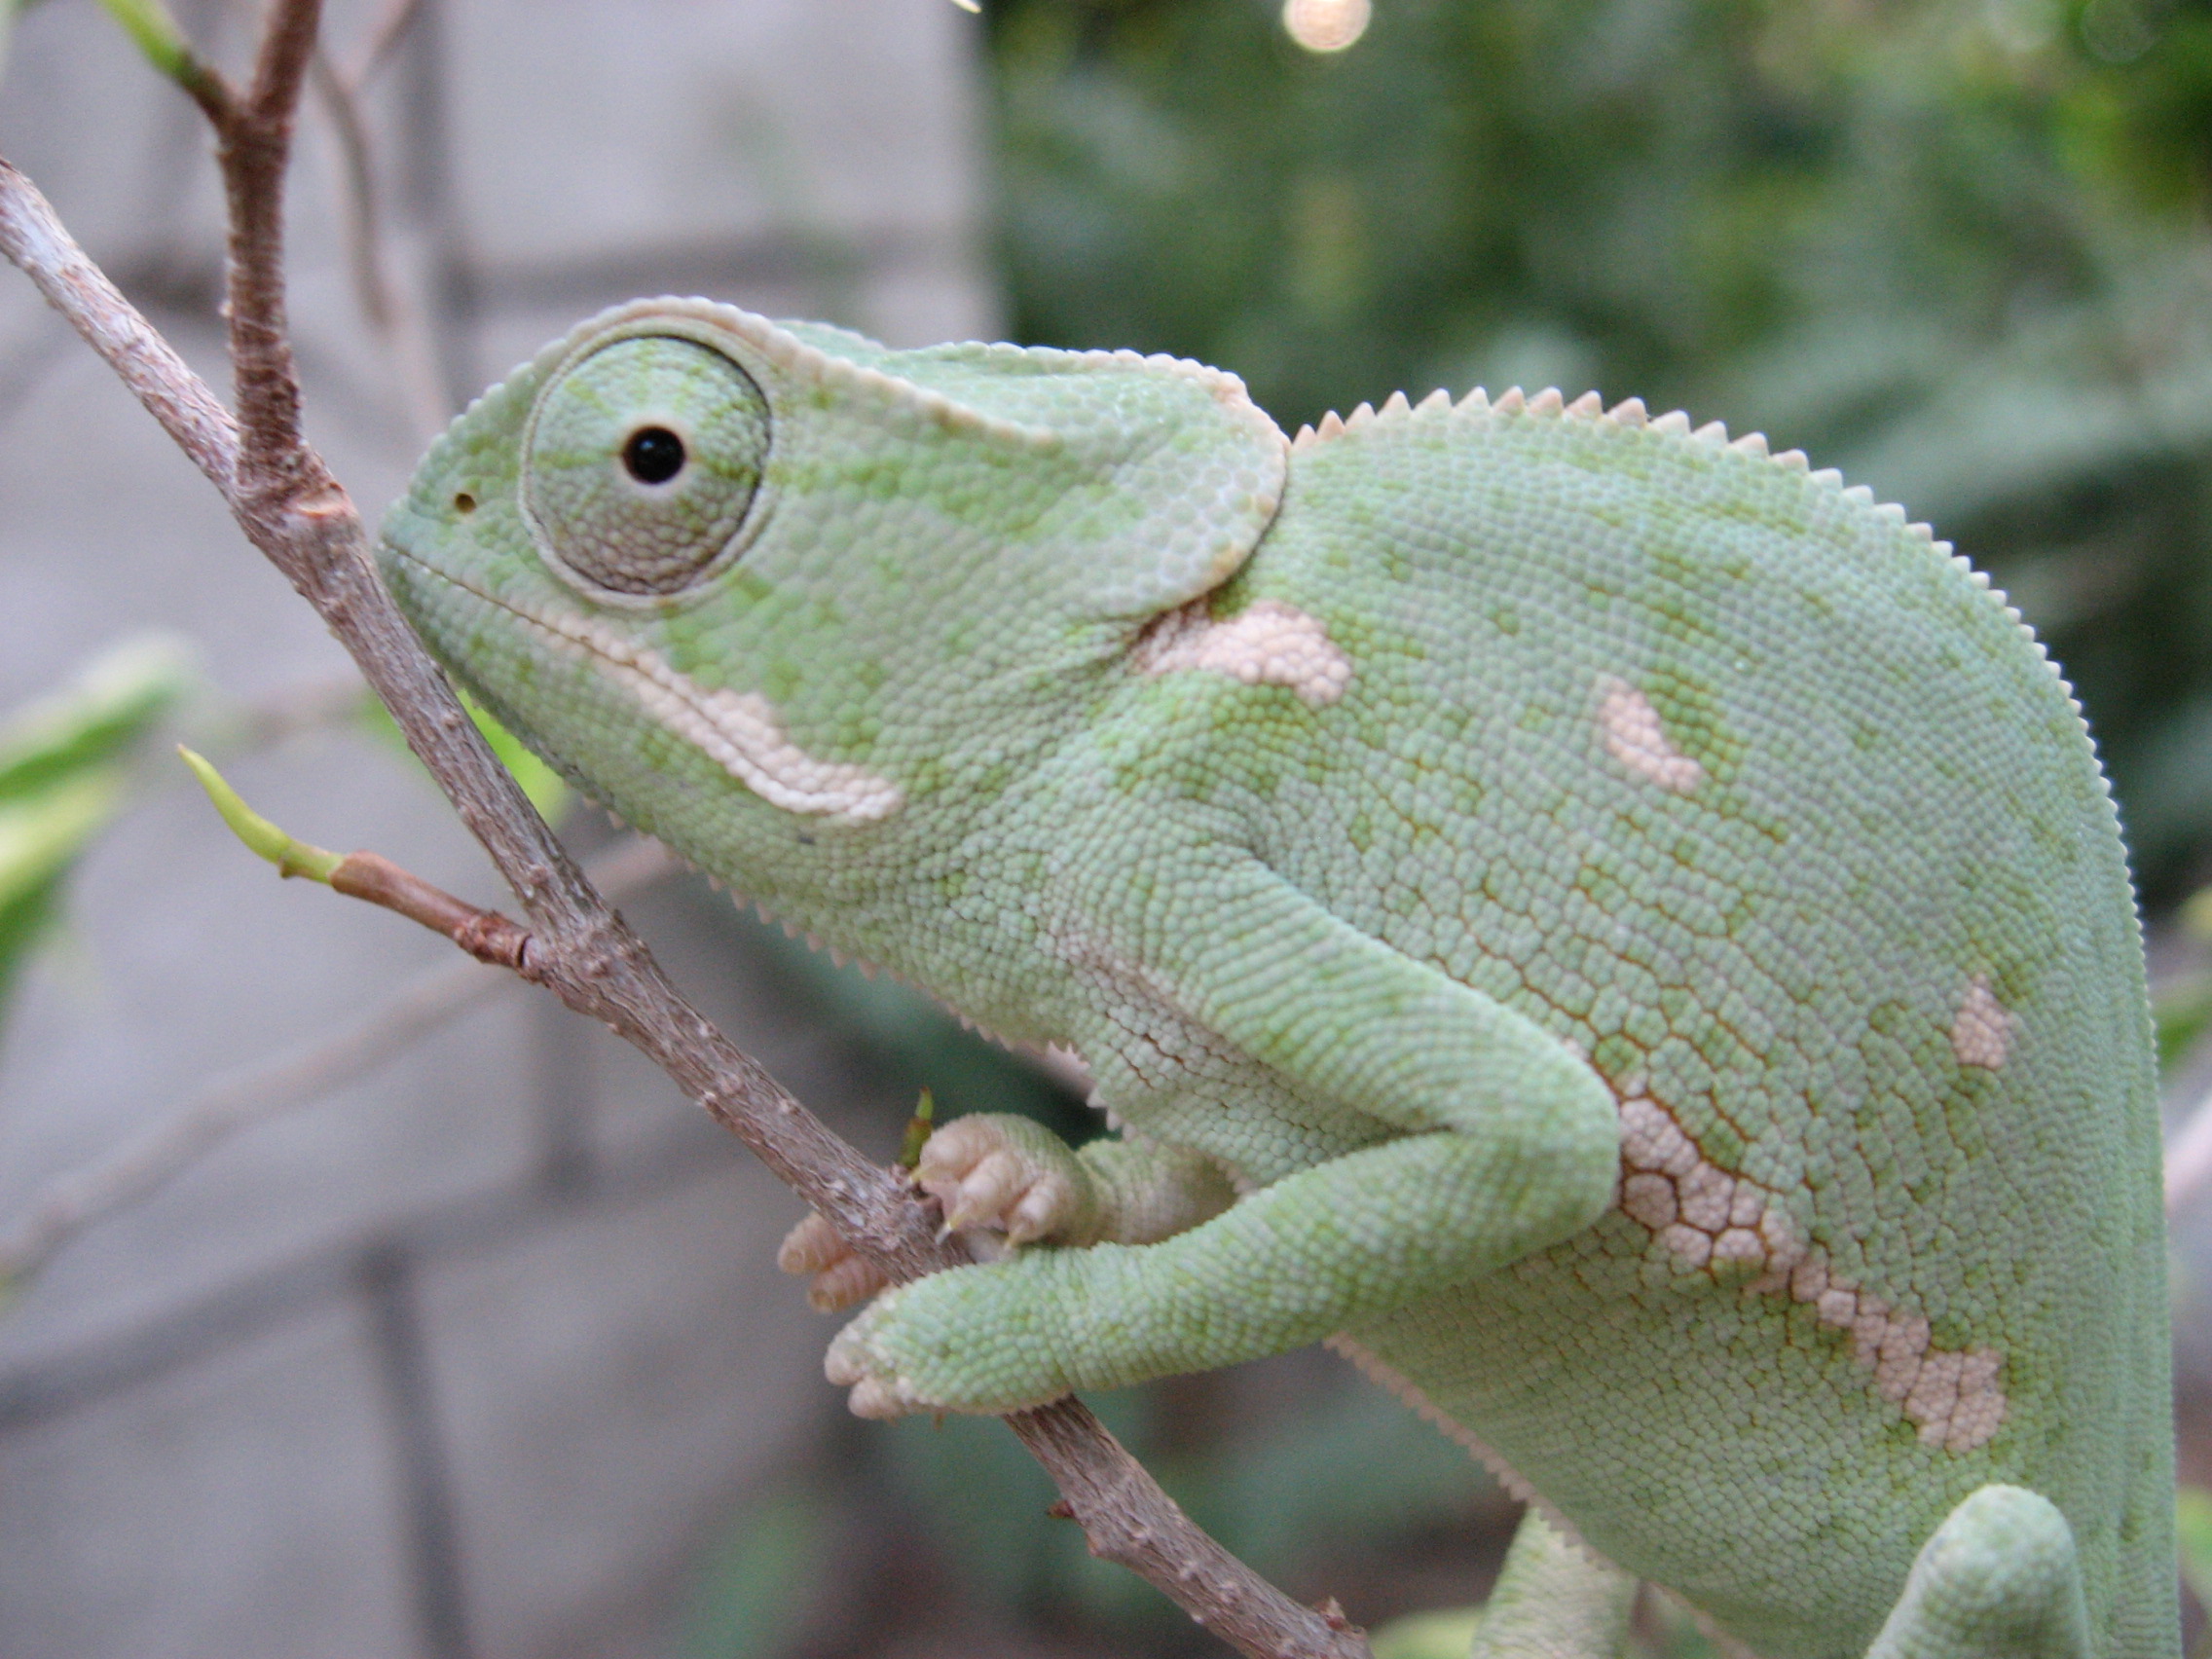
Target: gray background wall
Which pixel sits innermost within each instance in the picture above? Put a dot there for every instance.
(467, 1357)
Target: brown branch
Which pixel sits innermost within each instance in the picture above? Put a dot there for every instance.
(485, 935)
(278, 473)
(295, 513)
(34, 240)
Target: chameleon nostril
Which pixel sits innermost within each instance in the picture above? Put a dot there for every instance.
(463, 503)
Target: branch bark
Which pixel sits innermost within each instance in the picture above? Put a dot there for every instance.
(302, 520)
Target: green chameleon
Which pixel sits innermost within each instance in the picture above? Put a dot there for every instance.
(1621, 934)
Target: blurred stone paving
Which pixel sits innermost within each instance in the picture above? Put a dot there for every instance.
(466, 1358)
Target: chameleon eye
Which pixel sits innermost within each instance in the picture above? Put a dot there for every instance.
(641, 461)
(653, 456)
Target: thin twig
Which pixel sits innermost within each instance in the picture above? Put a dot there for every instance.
(485, 935)
(302, 520)
(371, 291)
(390, 31)
(77, 1199)
(393, 318)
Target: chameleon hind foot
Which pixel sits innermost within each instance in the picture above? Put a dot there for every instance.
(1998, 1579)
(1006, 1175)
(996, 1175)
(836, 1278)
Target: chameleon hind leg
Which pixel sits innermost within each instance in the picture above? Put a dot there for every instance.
(1554, 1600)
(1997, 1580)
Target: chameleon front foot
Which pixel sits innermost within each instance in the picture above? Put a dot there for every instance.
(933, 1346)
(853, 1362)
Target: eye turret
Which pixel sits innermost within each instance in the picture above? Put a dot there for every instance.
(642, 459)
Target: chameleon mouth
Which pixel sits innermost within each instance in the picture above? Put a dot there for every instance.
(740, 731)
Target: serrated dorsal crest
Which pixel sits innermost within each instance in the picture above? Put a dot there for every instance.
(1435, 400)
(1674, 423)
(1547, 402)
(1396, 404)
(1588, 407)
(1511, 402)
(1630, 412)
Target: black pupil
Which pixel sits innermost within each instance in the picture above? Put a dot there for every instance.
(653, 456)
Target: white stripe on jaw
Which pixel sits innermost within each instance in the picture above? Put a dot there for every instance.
(741, 731)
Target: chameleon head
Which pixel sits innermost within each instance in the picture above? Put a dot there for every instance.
(755, 584)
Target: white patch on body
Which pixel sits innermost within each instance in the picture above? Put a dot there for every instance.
(1710, 1220)
(739, 730)
(1269, 643)
(1635, 739)
(1983, 1034)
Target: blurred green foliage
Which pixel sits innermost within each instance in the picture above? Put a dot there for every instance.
(757, 1585)
(547, 791)
(2193, 1516)
(1957, 248)
(1448, 1633)
(64, 773)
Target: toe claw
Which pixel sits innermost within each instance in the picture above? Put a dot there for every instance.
(985, 1191)
(1039, 1211)
(872, 1398)
(841, 1366)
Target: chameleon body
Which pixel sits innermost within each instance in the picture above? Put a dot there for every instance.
(1642, 927)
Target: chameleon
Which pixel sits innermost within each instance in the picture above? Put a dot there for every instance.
(1621, 934)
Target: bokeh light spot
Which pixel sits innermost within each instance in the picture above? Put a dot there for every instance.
(1326, 25)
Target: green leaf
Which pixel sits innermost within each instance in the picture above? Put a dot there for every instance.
(2193, 1523)
(545, 788)
(113, 703)
(2182, 1011)
(64, 774)
(1446, 1634)
(918, 1131)
(262, 838)
(39, 838)
(155, 34)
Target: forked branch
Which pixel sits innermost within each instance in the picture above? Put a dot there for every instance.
(298, 515)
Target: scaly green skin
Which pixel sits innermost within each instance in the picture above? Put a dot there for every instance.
(1643, 925)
